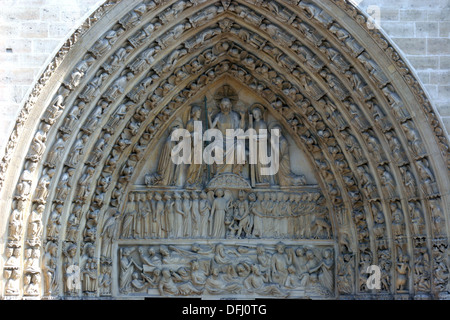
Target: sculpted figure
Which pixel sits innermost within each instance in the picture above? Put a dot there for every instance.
(244, 217)
(77, 151)
(117, 59)
(54, 155)
(397, 105)
(279, 265)
(12, 257)
(218, 211)
(427, 177)
(94, 118)
(56, 107)
(159, 221)
(437, 216)
(133, 17)
(256, 282)
(109, 227)
(258, 124)
(35, 225)
(72, 117)
(409, 181)
(195, 171)
(38, 146)
(12, 283)
(118, 87)
(169, 215)
(344, 36)
(402, 269)
(314, 12)
(204, 211)
(33, 281)
(167, 170)
(397, 219)
(257, 212)
(224, 120)
(285, 177)
(128, 218)
(103, 45)
(414, 140)
(126, 268)
(49, 269)
(374, 69)
(388, 182)
(216, 284)
(16, 221)
(24, 186)
(396, 147)
(105, 280)
(92, 88)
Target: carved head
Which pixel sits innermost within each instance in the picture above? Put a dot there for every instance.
(225, 105)
(196, 112)
(257, 114)
(165, 273)
(157, 196)
(280, 247)
(219, 193)
(8, 252)
(28, 253)
(300, 251)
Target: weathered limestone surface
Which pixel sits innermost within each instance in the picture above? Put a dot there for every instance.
(32, 31)
(92, 205)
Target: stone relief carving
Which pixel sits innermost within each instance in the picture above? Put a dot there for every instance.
(219, 214)
(278, 270)
(26, 183)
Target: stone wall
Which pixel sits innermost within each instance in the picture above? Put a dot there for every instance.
(32, 31)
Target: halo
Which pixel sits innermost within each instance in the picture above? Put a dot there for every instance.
(259, 106)
(226, 92)
(275, 124)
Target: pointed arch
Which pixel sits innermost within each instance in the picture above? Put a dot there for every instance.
(340, 89)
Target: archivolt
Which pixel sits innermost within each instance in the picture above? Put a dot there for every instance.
(338, 87)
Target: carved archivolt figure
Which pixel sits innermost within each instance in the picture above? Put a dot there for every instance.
(49, 269)
(107, 234)
(89, 270)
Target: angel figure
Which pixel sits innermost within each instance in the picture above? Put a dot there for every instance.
(219, 208)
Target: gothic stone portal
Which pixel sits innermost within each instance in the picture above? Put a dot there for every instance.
(87, 186)
(225, 230)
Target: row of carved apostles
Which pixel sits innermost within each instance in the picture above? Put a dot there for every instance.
(264, 270)
(57, 107)
(193, 214)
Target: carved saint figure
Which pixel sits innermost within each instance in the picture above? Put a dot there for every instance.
(218, 212)
(226, 119)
